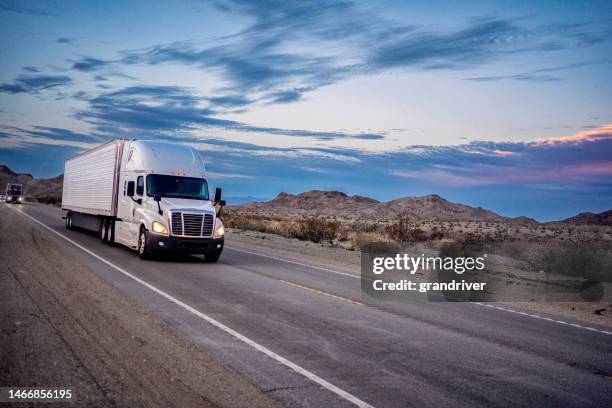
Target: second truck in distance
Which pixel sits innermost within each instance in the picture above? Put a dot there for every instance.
(14, 193)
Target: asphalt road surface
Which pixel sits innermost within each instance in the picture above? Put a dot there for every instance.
(306, 336)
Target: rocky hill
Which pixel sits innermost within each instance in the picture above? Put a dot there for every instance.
(43, 190)
(315, 201)
(589, 218)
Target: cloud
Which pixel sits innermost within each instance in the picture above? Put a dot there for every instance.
(154, 108)
(87, 64)
(21, 7)
(578, 162)
(287, 96)
(53, 133)
(222, 176)
(18, 138)
(250, 68)
(517, 77)
(539, 75)
(290, 49)
(472, 45)
(64, 40)
(602, 133)
(229, 101)
(265, 61)
(583, 158)
(31, 69)
(159, 109)
(35, 83)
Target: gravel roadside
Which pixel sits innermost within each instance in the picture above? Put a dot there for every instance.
(62, 326)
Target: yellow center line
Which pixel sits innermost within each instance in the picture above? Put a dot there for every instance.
(320, 292)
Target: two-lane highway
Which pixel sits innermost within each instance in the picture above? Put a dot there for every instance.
(307, 337)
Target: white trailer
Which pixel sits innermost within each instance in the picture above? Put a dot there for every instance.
(90, 180)
(148, 195)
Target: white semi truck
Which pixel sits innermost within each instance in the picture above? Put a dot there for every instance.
(14, 193)
(151, 196)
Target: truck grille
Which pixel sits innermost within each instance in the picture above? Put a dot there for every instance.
(192, 225)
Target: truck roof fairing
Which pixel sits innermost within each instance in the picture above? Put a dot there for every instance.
(158, 157)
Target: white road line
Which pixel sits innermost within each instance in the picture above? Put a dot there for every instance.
(294, 263)
(313, 377)
(544, 318)
(476, 303)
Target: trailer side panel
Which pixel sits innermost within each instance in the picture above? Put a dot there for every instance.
(90, 180)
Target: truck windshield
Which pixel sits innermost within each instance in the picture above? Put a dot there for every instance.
(177, 187)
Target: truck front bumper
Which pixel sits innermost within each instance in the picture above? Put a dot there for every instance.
(165, 243)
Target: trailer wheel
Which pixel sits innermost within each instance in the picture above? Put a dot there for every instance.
(69, 221)
(143, 251)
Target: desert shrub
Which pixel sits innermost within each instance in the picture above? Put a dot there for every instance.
(575, 259)
(49, 199)
(364, 239)
(400, 230)
(417, 234)
(249, 222)
(456, 249)
(317, 229)
(343, 233)
(436, 234)
(361, 226)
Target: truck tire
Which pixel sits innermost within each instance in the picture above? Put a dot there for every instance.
(212, 257)
(107, 234)
(111, 233)
(143, 250)
(69, 221)
(102, 232)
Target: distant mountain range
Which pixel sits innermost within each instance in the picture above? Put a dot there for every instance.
(338, 204)
(331, 203)
(430, 207)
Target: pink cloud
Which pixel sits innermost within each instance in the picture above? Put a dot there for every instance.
(601, 133)
(491, 174)
(503, 152)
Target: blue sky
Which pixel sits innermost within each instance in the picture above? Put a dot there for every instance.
(507, 107)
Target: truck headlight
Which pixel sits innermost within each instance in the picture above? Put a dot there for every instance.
(219, 230)
(159, 228)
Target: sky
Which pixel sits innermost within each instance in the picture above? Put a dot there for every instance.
(502, 105)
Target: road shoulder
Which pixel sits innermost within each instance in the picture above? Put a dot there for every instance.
(62, 325)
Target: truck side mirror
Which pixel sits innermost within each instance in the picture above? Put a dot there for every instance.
(130, 189)
(217, 195)
(157, 198)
